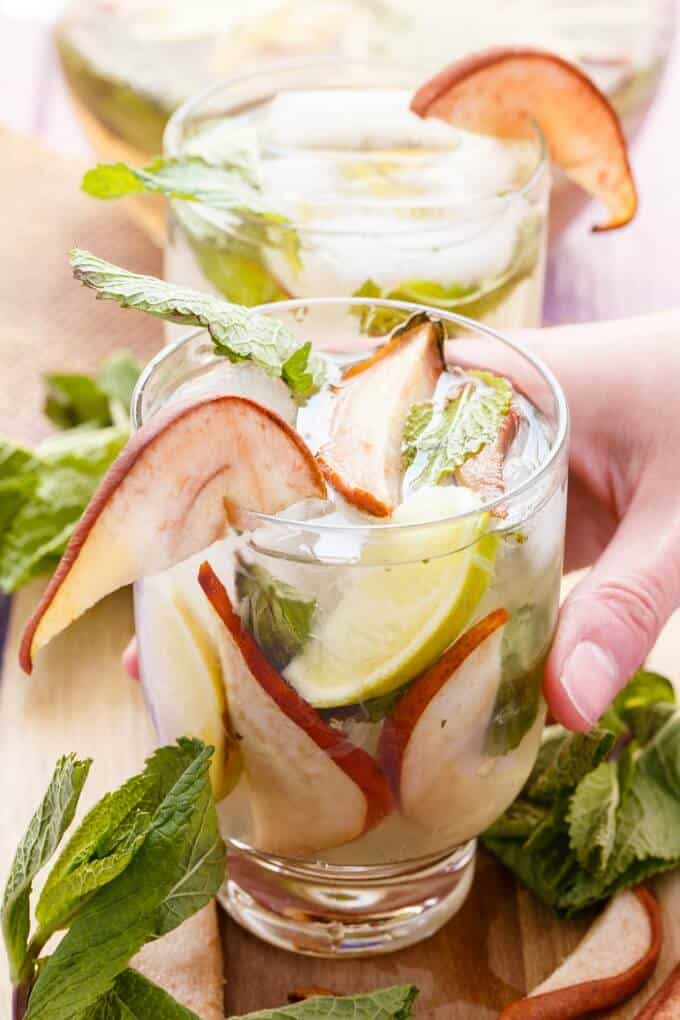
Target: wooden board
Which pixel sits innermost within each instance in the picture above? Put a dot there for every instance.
(501, 943)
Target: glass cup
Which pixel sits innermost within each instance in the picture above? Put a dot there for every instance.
(376, 201)
(333, 855)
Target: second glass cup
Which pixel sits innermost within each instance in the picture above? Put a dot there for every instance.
(343, 190)
(375, 697)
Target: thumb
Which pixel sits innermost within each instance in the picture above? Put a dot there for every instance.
(611, 620)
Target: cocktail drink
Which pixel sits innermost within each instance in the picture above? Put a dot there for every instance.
(344, 190)
(129, 65)
(367, 661)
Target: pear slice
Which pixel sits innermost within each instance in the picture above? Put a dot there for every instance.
(310, 788)
(163, 499)
(494, 92)
(362, 458)
(182, 675)
(483, 473)
(613, 960)
(429, 746)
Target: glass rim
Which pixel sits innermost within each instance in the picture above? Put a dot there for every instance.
(319, 527)
(172, 147)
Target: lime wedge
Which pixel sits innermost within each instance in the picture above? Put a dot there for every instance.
(395, 620)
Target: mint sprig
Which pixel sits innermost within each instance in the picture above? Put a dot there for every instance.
(237, 333)
(278, 616)
(144, 859)
(229, 188)
(601, 810)
(438, 439)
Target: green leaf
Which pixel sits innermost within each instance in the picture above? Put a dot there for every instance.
(99, 850)
(43, 500)
(378, 708)
(520, 820)
(436, 445)
(41, 839)
(177, 869)
(134, 997)
(234, 267)
(189, 178)
(592, 817)
(395, 1003)
(73, 400)
(238, 334)
(565, 758)
(117, 379)
(524, 648)
(278, 616)
(645, 703)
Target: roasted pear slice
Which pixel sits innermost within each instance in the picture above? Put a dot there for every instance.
(310, 788)
(163, 499)
(362, 458)
(494, 92)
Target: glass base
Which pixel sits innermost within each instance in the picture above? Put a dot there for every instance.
(335, 911)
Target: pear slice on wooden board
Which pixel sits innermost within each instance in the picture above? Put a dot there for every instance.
(495, 91)
(163, 499)
(362, 458)
(616, 957)
(310, 788)
(665, 1003)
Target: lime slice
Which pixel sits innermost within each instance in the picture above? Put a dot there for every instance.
(395, 620)
(183, 676)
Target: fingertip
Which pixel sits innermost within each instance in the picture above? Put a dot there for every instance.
(130, 659)
(580, 686)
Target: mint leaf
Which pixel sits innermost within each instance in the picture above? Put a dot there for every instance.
(436, 444)
(117, 379)
(395, 1003)
(189, 178)
(592, 817)
(524, 648)
(237, 333)
(176, 870)
(278, 616)
(134, 997)
(565, 758)
(41, 839)
(43, 495)
(100, 849)
(610, 803)
(73, 399)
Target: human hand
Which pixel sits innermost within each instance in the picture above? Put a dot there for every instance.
(623, 519)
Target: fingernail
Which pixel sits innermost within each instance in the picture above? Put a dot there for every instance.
(590, 678)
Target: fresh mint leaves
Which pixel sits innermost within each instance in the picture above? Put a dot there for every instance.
(74, 400)
(394, 1003)
(44, 492)
(190, 178)
(44, 833)
(237, 333)
(144, 859)
(438, 439)
(278, 616)
(601, 810)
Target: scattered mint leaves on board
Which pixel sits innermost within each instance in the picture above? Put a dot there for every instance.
(394, 1003)
(44, 833)
(145, 858)
(278, 616)
(237, 333)
(438, 439)
(600, 810)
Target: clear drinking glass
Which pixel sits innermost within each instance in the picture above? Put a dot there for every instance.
(376, 200)
(320, 863)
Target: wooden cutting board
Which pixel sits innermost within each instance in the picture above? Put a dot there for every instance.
(500, 944)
